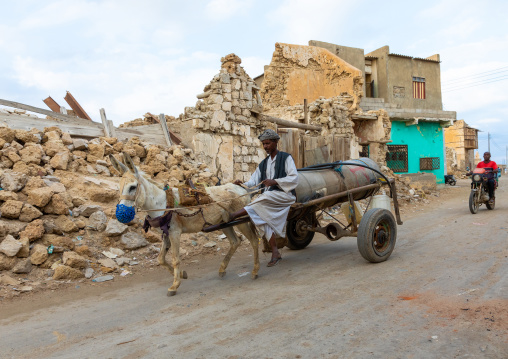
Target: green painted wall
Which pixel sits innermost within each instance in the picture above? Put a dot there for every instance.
(422, 140)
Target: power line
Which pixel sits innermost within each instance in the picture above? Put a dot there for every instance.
(475, 81)
(477, 84)
(477, 75)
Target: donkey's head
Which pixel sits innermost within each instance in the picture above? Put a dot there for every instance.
(132, 188)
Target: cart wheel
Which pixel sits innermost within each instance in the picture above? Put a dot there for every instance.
(453, 183)
(377, 234)
(298, 237)
(473, 202)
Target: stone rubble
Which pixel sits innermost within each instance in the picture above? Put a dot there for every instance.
(57, 202)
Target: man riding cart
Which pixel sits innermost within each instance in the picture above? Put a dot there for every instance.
(294, 200)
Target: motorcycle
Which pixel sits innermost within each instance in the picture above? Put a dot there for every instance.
(479, 191)
(450, 179)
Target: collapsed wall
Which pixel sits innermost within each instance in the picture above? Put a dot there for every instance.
(333, 88)
(222, 128)
(299, 72)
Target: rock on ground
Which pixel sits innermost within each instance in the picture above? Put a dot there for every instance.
(33, 231)
(108, 262)
(13, 181)
(22, 267)
(115, 228)
(40, 196)
(98, 221)
(58, 241)
(6, 263)
(11, 209)
(29, 213)
(74, 260)
(10, 246)
(39, 254)
(65, 224)
(66, 272)
(86, 210)
(24, 252)
(133, 240)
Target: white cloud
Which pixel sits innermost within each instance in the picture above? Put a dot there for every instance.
(254, 65)
(302, 20)
(223, 9)
(488, 121)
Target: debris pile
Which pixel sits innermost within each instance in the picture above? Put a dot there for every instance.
(57, 202)
(410, 192)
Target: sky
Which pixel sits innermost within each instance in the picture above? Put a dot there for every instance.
(132, 57)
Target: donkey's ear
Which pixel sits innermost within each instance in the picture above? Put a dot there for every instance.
(117, 165)
(130, 164)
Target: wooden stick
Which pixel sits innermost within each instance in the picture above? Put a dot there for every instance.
(105, 123)
(162, 120)
(37, 110)
(305, 112)
(289, 124)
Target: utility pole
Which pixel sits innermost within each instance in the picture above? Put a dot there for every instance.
(488, 136)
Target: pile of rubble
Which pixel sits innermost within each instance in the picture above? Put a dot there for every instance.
(147, 119)
(409, 192)
(57, 203)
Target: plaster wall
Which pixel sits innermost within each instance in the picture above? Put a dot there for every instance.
(400, 75)
(425, 139)
(454, 138)
(351, 55)
(398, 71)
(381, 65)
(306, 72)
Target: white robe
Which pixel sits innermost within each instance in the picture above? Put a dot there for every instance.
(270, 210)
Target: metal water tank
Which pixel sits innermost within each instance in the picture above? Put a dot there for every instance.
(313, 184)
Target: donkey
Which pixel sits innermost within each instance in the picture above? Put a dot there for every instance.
(139, 190)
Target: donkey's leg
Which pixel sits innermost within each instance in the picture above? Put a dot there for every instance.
(249, 231)
(234, 242)
(166, 244)
(174, 237)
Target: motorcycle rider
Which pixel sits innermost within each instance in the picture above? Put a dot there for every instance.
(491, 182)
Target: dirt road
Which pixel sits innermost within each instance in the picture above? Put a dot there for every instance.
(442, 294)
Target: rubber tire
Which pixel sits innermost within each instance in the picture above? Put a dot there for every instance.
(491, 206)
(471, 203)
(294, 241)
(453, 183)
(366, 234)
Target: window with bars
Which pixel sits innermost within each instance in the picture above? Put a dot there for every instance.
(365, 151)
(430, 163)
(396, 158)
(419, 88)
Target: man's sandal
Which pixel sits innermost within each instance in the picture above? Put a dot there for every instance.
(273, 263)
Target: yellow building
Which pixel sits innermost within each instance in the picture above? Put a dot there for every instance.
(463, 139)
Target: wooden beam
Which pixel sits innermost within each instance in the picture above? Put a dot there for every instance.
(305, 112)
(290, 124)
(107, 133)
(78, 110)
(111, 128)
(52, 104)
(37, 110)
(364, 117)
(81, 129)
(165, 131)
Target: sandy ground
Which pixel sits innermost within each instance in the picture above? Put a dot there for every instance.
(442, 294)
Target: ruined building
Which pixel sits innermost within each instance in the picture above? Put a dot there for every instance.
(333, 90)
(461, 140)
(409, 89)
